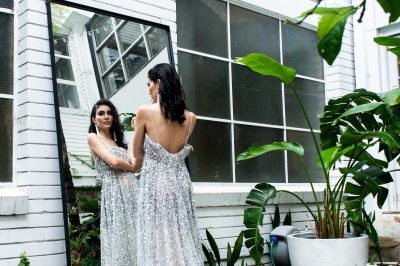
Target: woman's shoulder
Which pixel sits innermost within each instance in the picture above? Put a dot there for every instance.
(92, 138)
(190, 115)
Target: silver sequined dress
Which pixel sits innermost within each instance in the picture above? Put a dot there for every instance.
(167, 232)
(118, 212)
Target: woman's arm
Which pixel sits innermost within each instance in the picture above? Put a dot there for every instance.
(99, 149)
(138, 138)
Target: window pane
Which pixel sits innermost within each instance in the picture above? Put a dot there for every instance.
(269, 167)
(211, 160)
(68, 96)
(108, 54)
(206, 84)
(7, 4)
(6, 140)
(256, 98)
(129, 33)
(157, 39)
(312, 94)
(201, 26)
(64, 68)
(114, 80)
(60, 44)
(101, 28)
(253, 32)
(6, 53)
(136, 58)
(296, 171)
(300, 51)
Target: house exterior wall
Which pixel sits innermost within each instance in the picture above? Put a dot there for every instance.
(39, 230)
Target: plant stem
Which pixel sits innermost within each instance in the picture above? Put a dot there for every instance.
(326, 173)
(363, 4)
(312, 188)
(302, 201)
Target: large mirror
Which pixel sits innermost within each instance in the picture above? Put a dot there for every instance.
(96, 55)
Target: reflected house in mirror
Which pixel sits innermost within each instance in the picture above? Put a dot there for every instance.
(100, 56)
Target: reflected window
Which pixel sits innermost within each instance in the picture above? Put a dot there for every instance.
(122, 49)
(66, 85)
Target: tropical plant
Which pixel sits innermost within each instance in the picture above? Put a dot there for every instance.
(232, 256)
(353, 128)
(85, 239)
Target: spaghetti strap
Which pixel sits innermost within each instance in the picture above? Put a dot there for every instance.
(190, 128)
(154, 126)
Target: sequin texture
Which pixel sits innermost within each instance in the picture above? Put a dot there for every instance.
(118, 212)
(167, 232)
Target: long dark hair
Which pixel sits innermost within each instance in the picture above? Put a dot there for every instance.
(116, 129)
(171, 94)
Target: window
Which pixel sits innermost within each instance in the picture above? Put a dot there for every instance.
(122, 48)
(237, 107)
(66, 85)
(6, 90)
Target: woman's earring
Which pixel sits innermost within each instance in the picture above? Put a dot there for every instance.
(115, 137)
(158, 98)
(97, 130)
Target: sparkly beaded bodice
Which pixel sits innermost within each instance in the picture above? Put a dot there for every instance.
(118, 212)
(167, 232)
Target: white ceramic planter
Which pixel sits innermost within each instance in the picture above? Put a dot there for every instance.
(309, 251)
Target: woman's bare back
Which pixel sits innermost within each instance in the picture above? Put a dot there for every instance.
(170, 135)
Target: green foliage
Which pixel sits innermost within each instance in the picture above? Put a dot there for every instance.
(213, 256)
(85, 239)
(24, 259)
(257, 150)
(276, 219)
(126, 120)
(268, 66)
(389, 41)
(392, 7)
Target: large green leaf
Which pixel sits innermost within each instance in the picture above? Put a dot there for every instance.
(236, 250)
(330, 30)
(331, 155)
(392, 7)
(359, 109)
(395, 50)
(210, 258)
(261, 194)
(392, 97)
(390, 138)
(387, 41)
(268, 66)
(257, 150)
(214, 246)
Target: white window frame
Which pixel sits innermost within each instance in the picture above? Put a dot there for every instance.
(203, 187)
(13, 96)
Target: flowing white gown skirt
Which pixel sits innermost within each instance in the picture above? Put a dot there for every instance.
(167, 231)
(118, 213)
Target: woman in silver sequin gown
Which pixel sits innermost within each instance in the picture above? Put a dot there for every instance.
(167, 231)
(118, 186)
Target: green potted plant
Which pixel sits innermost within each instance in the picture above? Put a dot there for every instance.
(353, 127)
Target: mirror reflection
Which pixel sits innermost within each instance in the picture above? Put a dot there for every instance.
(97, 56)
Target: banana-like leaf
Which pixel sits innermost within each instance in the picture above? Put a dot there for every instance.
(257, 150)
(261, 194)
(330, 30)
(387, 41)
(390, 138)
(268, 66)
